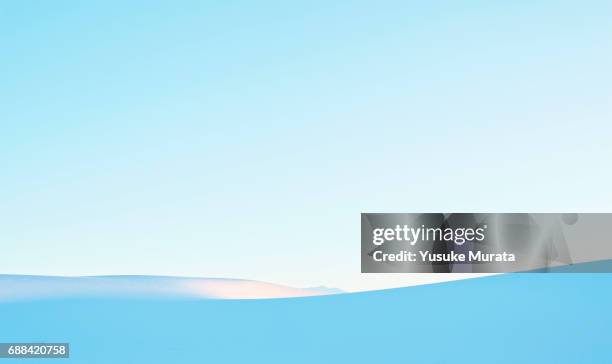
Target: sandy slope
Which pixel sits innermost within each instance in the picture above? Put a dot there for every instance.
(16, 287)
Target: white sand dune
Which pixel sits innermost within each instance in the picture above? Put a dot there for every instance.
(18, 287)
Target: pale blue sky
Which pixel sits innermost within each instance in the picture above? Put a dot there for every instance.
(243, 138)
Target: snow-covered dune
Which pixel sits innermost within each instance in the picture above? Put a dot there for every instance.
(18, 287)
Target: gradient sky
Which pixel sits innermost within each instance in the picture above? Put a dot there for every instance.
(244, 138)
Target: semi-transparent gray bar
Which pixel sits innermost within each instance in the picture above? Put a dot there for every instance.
(34, 350)
(486, 242)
